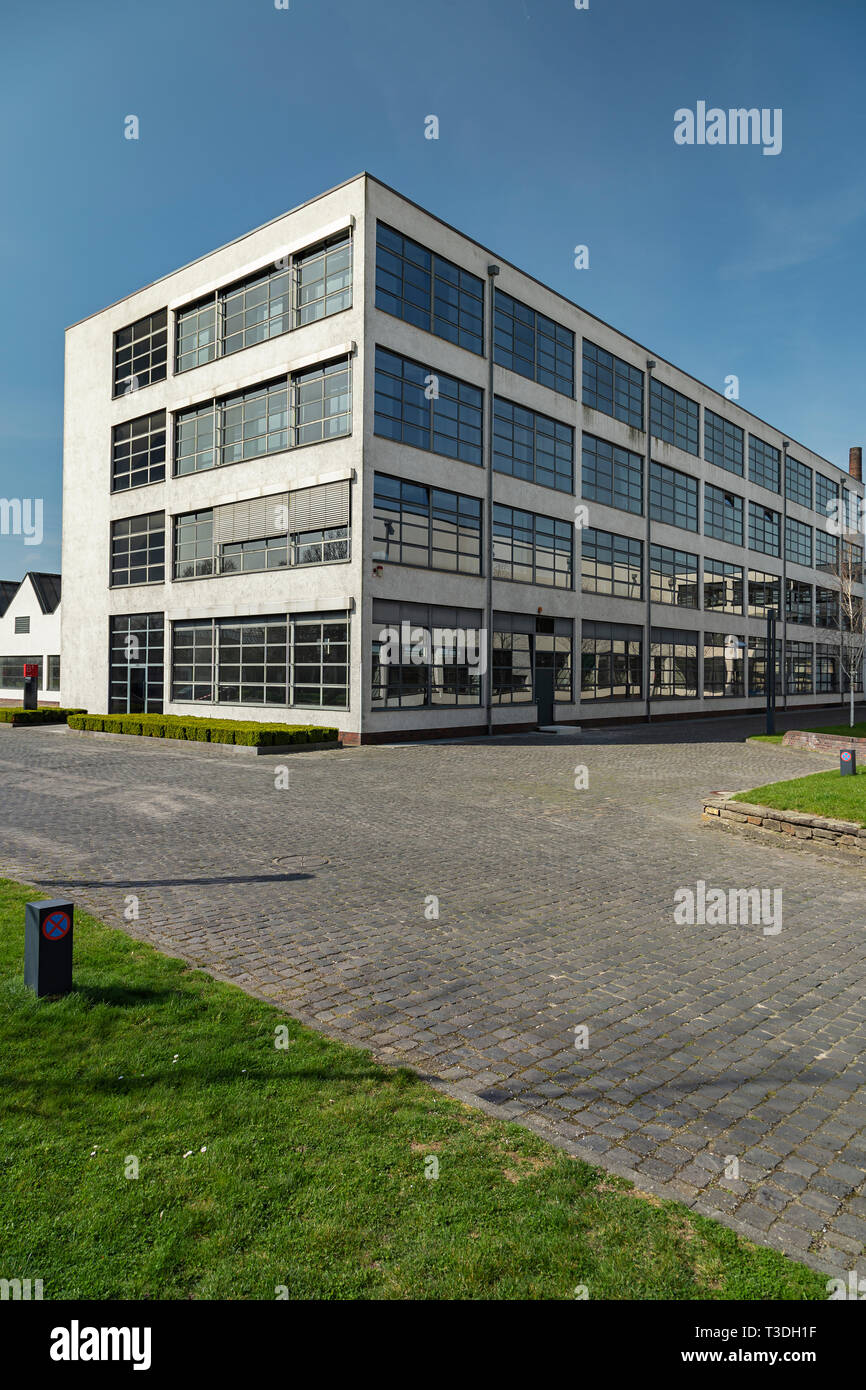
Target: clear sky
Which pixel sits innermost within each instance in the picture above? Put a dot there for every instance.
(556, 129)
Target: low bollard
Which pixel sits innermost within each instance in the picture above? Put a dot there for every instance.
(48, 947)
(848, 763)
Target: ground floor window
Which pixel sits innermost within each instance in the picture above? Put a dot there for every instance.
(320, 661)
(136, 669)
(425, 656)
(610, 661)
(12, 671)
(531, 659)
(512, 668)
(553, 653)
(301, 660)
(53, 679)
(723, 664)
(673, 664)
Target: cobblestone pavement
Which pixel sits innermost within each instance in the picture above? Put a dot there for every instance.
(706, 1043)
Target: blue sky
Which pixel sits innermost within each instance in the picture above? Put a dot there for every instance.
(556, 129)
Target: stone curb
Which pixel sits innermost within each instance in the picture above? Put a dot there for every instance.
(848, 836)
(45, 724)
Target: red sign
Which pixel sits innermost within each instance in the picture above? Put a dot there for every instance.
(30, 671)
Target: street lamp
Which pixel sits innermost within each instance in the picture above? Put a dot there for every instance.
(770, 681)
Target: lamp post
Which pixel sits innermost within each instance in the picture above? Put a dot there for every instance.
(492, 272)
(648, 617)
(771, 671)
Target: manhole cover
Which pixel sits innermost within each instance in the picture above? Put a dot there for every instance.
(302, 863)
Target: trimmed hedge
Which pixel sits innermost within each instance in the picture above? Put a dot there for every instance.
(195, 729)
(16, 715)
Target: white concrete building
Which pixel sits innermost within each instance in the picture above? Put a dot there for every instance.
(30, 634)
(279, 499)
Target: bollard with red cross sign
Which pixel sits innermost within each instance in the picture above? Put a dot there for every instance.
(48, 946)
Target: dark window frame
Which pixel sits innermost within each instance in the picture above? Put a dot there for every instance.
(722, 575)
(724, 442)
(123, 550)
(519, 529)
(454, 296)
(603, 462)
(545, 444)
(464, 410)
(765, 530)
(425, 499)
(548, 355)
(611, 660)
(608, 551)
(673, 495)
(765, 464)
(154, 334)
(267, 286)
(143, 438)
(666, 564)
(723, 515)
(612, 385)
(674, 417)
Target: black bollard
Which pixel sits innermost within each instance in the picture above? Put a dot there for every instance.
(48, 946)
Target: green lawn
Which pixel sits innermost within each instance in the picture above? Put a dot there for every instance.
(821, 794)
(843, 730)
(302, 1167)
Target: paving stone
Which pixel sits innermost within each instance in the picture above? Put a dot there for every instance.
(792, 1239)
(756, 1216)
(852, 1226)
(704, 1042)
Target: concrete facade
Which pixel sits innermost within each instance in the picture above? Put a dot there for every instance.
(353, 585)
(33, 607)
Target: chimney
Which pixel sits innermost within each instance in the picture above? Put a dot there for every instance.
(855, 463)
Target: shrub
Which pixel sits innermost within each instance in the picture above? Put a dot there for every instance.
(247, 733)
(16, 715)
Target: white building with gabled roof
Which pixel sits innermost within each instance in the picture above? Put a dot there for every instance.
(30, 635)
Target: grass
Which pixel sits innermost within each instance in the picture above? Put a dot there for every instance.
(821, 794)
(303, 1167)
(842, 730)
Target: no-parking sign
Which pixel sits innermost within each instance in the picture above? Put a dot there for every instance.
(56, 926)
